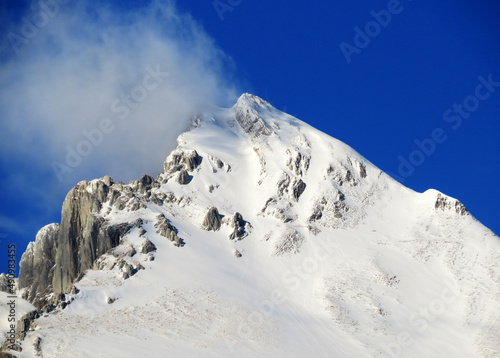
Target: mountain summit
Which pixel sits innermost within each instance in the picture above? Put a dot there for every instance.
(262, 236)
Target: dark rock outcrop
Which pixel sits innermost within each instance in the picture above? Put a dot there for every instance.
(237, 220)
(317, 213)
(148, 247)
(294, 187)
(217, 162)
(37, 344)
(238, 224)
(62, 252)
(331, 209)
(183, 177)
(443, 203)
(299, 164)
(37, 265)
(58, 301)
(144, 184)
(26, 323)
(166, 229)
(283, 184)
(4, 283)
(346, 174)
(78, 229)
(362, 170)
(298, 188)
(212, 221)
(180, 159)
(192, 161)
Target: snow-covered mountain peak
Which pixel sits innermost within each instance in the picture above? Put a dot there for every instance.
(263, 237)
(252, 101)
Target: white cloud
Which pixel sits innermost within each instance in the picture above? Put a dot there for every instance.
(65, 79)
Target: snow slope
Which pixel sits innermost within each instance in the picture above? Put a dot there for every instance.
(337, 258)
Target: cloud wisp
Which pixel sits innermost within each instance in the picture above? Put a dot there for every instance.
(101, 89)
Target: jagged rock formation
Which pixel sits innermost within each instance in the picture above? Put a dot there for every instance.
(183, 177)
(58, 301)
(298, 188)
(299, 163)
(118, 261)
(37, 264)
(212, 220)
(4, 283)
(148, 247)
(144, 185)
(336, 208)
(62, 252)
(443, 203)
(247, 116)
(182, 160)
(37, 344)
(26, 323)
(83, 237)
(77, 241)
(166, 229)
(238, 224)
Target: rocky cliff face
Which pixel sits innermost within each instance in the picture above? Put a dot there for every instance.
(37, 264)
(63, 252)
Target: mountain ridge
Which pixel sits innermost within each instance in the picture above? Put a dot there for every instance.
(254, 196)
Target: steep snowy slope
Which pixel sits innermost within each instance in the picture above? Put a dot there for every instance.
(263, 237)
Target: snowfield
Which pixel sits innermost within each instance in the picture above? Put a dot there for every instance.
(337, 258)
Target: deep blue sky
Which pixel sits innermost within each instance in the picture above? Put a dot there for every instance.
(392, 93)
